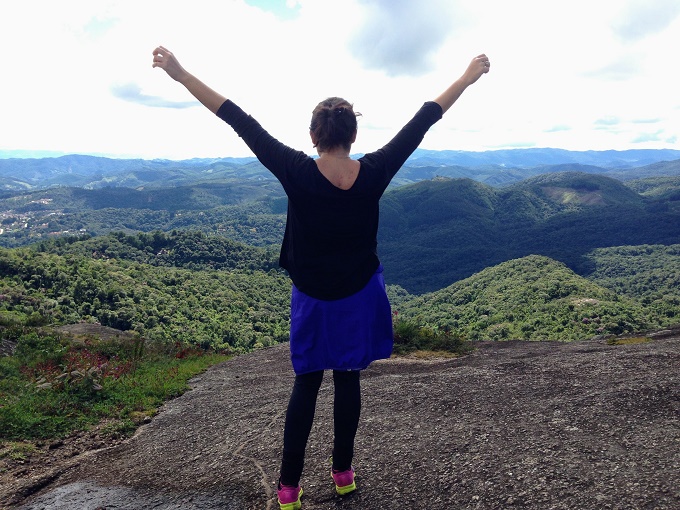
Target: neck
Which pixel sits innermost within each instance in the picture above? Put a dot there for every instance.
(335, 154)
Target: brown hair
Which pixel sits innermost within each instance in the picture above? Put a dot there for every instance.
(333, 124)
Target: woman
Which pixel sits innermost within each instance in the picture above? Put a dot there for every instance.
(340, 315)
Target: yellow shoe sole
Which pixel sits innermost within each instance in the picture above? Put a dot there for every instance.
(295, 505)
(346, 489)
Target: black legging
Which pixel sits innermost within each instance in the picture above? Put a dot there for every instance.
(300, 415)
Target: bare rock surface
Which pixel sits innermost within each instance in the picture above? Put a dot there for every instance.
(513, 425)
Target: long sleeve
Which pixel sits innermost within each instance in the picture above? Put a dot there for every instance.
(277, 157)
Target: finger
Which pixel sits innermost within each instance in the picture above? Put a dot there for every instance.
(162, 51)
(157, 60)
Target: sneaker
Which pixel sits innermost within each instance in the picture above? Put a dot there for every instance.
(344, 481)
(289, 497)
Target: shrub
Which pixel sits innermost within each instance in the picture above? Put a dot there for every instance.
(409, 336)
(36, 348)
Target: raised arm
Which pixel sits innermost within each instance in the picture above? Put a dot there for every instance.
(164, 58)
(479, 66)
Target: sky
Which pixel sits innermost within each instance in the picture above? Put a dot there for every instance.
(76, 75)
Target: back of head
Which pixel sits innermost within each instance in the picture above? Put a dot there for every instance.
(334, 124)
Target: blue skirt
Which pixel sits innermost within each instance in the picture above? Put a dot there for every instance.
(343, 334)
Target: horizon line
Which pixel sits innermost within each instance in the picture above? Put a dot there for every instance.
(47, 154)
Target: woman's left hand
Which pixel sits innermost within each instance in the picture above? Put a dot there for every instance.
(164, 58)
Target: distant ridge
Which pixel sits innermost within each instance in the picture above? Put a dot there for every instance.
(519, 158)
(527, 158)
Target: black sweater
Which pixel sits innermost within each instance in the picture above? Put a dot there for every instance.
(330, 243)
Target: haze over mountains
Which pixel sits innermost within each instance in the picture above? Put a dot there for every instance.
(493, 167)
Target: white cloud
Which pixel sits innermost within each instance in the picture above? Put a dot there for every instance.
(640, 18)
(133, 93)
(656, 136)
(608, 121)
(82, 81)
(401, 37)
(558, 128)
(622, 69)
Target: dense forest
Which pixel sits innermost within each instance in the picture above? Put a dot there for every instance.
(559, 255)
(204, 290)
(432, 233)
(238, 309)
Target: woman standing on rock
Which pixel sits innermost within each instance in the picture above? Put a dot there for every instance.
(340, 315)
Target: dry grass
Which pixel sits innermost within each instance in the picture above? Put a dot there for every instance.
(629, 341)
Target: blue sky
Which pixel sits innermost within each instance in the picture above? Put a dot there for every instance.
(577, 75)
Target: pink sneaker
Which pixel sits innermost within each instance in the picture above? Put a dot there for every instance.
(344, 481)
(289, 497)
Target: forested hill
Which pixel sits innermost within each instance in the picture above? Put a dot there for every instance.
(184, 249)
(437, 232)
(175, 295)
(537, 298)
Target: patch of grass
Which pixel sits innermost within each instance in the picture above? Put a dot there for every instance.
(16, 451)
(629, 341)
(53, 388)
(426, 354)
(118, 428)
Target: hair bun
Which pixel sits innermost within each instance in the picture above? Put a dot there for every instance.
(333, 124)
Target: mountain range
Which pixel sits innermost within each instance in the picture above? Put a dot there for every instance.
(496, 168)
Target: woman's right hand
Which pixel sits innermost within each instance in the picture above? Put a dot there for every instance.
(480, 65)
(164, 58)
